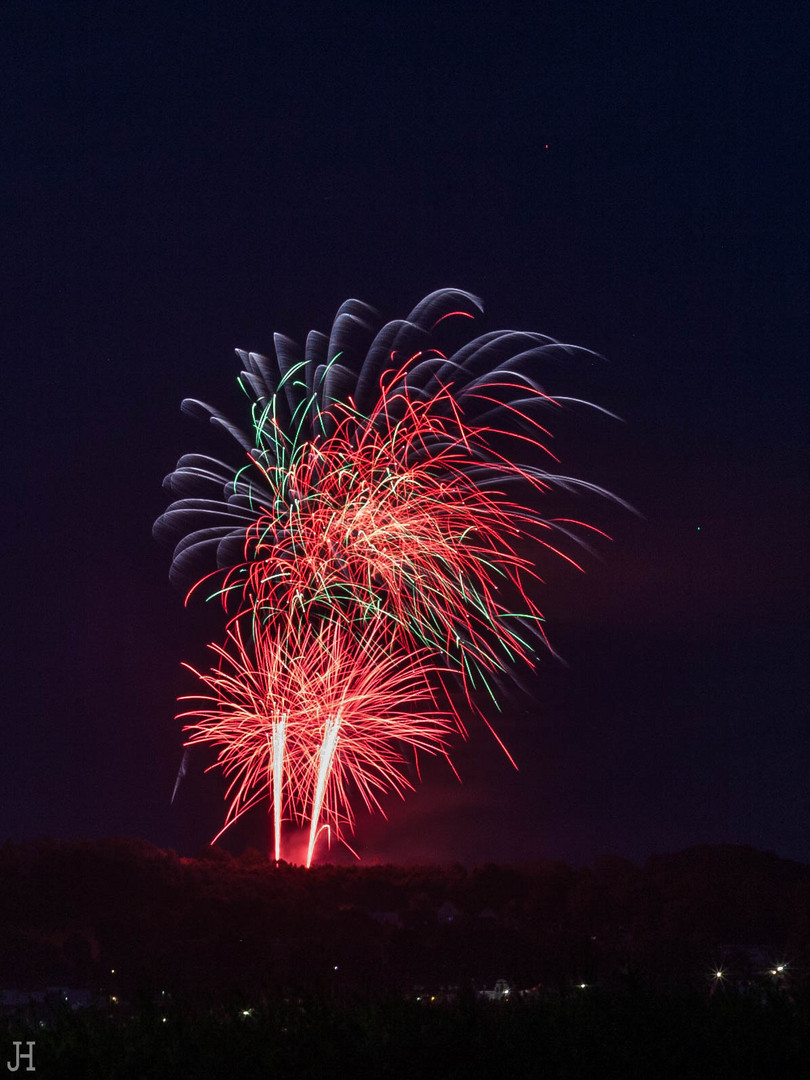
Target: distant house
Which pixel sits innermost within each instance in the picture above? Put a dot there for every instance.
(747, 959)
(447, 913)
(15, 1000)
(743, 966)
(75, 997)
(500, 992)
(386, 918)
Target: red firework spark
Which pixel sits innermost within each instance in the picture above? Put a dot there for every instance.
(385, 518)
(312, 717)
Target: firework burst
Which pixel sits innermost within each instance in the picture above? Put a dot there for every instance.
(366, 545)
(315, 717)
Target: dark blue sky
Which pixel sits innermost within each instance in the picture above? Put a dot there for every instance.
(629, 177)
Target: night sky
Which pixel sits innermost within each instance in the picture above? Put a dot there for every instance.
(180, 180)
